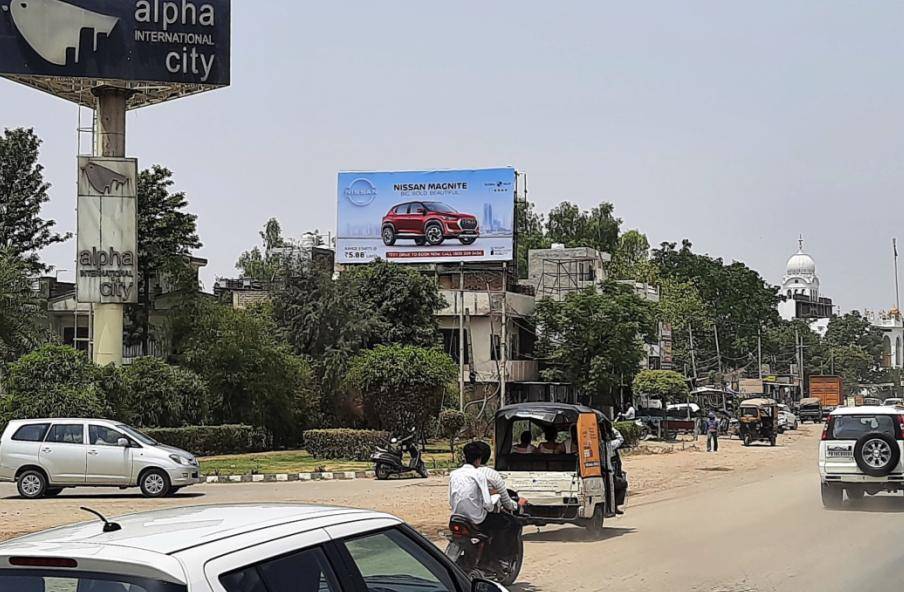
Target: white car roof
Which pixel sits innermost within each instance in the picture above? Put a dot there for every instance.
(867, 410)
(172, 530)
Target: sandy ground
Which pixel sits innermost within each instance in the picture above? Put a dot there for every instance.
(653, 477)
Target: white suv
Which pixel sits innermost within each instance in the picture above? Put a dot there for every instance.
(239, 548)
(861, 452)
(43, 456)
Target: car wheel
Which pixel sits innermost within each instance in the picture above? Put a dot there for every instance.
(597, 522)
(174, 490)
(746, 439)
(389, 236)
(382, 471)
(32, 484)
(877, 454)
(515, 566)
(53, 491)
(832, 495)
(467, 240)
(154, 483)
(434, 233)
(420, 241)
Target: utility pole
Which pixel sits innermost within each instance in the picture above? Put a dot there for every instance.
(759, 353)
(894, 246)
(690, 333)
(461, 336)
(718, 351)
(832, 359)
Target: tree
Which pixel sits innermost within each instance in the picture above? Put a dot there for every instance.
(266, 265)
(594, 339)
(631, 259)
(21, 312)
(853, 329)
(573, 227)
(663, 383)
(529, 234)
(22, 193)
(156, 394)
(166, 236)
(451, 423)
(53, 381)
(329, 321)
(401, 385)
(252, 372)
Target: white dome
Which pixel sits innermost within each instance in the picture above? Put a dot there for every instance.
(801, 264)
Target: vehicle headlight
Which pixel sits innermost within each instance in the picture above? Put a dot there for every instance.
(179, 460)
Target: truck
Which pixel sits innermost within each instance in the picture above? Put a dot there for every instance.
(829, 390)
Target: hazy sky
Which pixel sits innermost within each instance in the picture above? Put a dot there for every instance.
(735, 125)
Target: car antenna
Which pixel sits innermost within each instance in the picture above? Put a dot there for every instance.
(108, 526)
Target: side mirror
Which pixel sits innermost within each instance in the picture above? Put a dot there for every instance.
(486, 586)
(122, 442)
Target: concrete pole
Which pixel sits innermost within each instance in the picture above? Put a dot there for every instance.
(110, 141)
(504, 349)
(461, 336)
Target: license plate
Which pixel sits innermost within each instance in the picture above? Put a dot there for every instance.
(839, 453)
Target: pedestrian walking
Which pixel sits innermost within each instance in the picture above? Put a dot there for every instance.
(712, 433)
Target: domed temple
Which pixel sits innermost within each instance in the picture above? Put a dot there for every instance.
(800, 292)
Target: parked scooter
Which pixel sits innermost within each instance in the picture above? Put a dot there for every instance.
(389, 461)
(472, 551)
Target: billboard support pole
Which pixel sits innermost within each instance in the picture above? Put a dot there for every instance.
(461, 336)
(504, 348)
(110, 141)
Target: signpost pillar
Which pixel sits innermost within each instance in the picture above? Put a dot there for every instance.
(110, 141)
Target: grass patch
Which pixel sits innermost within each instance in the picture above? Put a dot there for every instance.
(437, 456)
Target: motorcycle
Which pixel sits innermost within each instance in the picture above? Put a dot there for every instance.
(471, 550)
(389, 461)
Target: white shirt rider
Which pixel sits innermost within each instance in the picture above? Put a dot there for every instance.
(469, 494)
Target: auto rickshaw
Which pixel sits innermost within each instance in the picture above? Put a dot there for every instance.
(810, 409)
(758, 421)
(555, 455)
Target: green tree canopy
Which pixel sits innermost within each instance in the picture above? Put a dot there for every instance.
(631, 259)
(156, 394)
(23, 233)
(255, 377)
(53, 381)
(166, 235)
(264, 265)
(530, 233)
(401, 385)
(594, 339)
(573, 227)
(22, 314)
(664, 383)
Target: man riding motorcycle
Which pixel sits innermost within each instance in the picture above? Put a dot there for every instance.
(470, 496)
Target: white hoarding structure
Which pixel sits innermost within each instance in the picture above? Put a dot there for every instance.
(107, 259)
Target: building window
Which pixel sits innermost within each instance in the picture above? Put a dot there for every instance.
(886, 351)
(898, 352)
(450, 344)
(495, 347)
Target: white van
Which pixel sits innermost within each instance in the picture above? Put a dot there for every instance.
(44, 456)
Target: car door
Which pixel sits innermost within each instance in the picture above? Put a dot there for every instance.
(396, 560)
(63, 454)
(107, 462)
(415, 218)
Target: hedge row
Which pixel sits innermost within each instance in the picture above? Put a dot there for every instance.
(631, 432)
(343, 443)
(213, 440)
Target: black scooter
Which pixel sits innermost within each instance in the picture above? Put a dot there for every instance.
(472, 551)
(388, 461)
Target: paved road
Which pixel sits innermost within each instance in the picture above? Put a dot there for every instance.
(759, 530)
(769, 533)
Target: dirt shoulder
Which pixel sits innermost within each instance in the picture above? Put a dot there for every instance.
(423, 503)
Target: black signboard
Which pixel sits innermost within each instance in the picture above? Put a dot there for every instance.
(164, 41)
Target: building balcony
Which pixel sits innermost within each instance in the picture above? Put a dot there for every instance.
(481, 304)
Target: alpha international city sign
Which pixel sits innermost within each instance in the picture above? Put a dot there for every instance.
(52, 44)
(106, 259)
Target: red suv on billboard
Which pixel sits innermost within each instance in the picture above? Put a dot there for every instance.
(428, 222)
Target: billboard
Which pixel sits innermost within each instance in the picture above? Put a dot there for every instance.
(164, 41)
(106, 241)
(426, 216)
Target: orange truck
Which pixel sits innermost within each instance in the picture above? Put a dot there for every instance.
(829, 390)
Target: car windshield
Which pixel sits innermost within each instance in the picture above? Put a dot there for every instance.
(138, 435)
(435, 206)
(55, 581)
(851, 427)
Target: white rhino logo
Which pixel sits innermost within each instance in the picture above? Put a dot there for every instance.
(51, 26)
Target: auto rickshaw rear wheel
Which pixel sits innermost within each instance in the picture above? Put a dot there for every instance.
(595, 523)
(747, 439)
